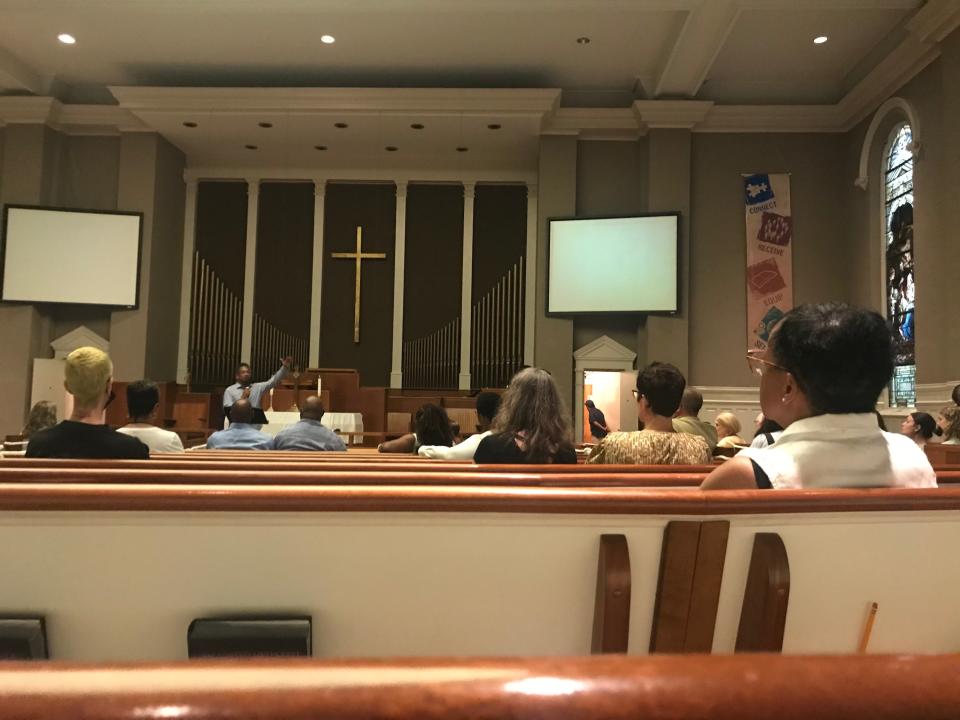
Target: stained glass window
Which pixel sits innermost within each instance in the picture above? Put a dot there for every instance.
(898, 212)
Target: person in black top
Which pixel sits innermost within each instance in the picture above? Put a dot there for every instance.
(89, 378)
(531, 425)
(598, 422)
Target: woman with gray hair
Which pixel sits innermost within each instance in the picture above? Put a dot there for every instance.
(42, 415)
(531, 425)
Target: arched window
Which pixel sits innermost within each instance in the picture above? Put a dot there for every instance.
(898, 215)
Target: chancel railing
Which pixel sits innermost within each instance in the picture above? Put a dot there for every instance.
(433, 361)
(215, 321)
(497, 331)
(270, 344)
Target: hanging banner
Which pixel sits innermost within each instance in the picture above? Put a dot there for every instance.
(769, 254)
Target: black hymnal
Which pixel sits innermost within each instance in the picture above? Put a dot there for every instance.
(23, 638)
(245, 636)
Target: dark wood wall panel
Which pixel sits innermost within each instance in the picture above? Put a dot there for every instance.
(499, 233)
(221, 229)
(285, 256)
(434, 258)
(372, 207)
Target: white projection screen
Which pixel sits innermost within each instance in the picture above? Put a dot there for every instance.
(613, 265)
(70, 256)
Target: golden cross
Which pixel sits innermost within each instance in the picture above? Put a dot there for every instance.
(358, 256)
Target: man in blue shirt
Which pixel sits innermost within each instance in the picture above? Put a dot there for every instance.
(244, 389)
(308, 434)
(241, 435)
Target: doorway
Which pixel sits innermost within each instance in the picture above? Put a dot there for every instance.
(612, 393)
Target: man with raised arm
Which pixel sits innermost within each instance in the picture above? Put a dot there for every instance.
(245, 389)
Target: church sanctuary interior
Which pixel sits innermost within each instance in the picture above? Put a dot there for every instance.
(413, 359)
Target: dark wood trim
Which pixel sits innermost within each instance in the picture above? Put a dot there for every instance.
(678, 559)
(705, 594)
(763, 616)
(733, 687)
(611, 612)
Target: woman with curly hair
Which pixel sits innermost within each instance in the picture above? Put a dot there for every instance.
(43, 415)
(531, 426)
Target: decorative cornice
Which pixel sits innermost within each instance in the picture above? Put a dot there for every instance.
(770, 118)
(26, 110)
(594, 123)
(674, 114)
(69, 119)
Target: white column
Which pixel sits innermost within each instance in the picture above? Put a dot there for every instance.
(316, 292)
(186, 281)
(400, 242)
(466, 296)
(530, 299)
(249, 270)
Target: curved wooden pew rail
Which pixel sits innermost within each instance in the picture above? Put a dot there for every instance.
(615, 688)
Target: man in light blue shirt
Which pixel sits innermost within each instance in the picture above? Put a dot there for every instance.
(308, 434)
(241, 435)
(244, 389)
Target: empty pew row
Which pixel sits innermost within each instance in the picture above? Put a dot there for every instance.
(120, 571)
(616, 688)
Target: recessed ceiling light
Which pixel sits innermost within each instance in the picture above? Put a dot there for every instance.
(462, 149)
(250, 147)
(189, 124)
(417, 126)
(391, 148)
(340, 125)
(820, 39)
(66, 38)
(265, 124)
(319, 147)
(583, 40)
(327, 39)
(494, 126)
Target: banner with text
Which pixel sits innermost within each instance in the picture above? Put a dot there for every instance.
(769, 254)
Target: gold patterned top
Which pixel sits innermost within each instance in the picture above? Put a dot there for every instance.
(650, 447)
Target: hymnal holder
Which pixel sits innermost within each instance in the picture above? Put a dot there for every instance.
(23, 637)
(251, 636)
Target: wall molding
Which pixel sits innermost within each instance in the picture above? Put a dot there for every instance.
(512, 177)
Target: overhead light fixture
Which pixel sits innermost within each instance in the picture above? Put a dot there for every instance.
(583, 40)
(820, 39)
(66, 38)
(327, 39)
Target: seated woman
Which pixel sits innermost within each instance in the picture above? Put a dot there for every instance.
(659, 389)
(431, 426)
(920, 427)
(949, 423)
(728, 431)
(532, 425)
(42, 415)
(767, 433)
(820, 378)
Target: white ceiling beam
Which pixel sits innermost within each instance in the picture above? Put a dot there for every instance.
(700, 40)
(17, 75)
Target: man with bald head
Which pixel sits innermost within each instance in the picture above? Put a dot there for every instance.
(242, 434)
(309, 433)
(687, 420)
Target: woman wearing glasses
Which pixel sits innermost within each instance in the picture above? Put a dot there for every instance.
(659, 390)
(820, 378)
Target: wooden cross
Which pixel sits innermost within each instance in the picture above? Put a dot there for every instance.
(358, 256)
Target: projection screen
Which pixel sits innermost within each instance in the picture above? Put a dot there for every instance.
(70, 256)
(613, 265)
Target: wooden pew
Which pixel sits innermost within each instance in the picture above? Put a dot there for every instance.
(120, 570)
(751, 687)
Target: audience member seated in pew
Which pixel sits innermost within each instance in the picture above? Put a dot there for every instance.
(949, 424)
(956, 395)
(309, 433)
(767, 433)
(728, 431)
(43, 415)
(88, 376)
(659, 391)
(143, 397)
(920, 427)
(532, 425)
(687, 418)
(820, 377)
(487, 405)
(431, 426)
(242, 433)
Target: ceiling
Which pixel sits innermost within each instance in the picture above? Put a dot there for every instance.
(728, 51)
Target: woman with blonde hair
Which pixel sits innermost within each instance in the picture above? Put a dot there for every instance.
(728, 431)
(531, 426)
(949, 423)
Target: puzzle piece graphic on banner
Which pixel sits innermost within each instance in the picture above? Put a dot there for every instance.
(768, 322)
(764, 278)
(757, 189)
(775, 229)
